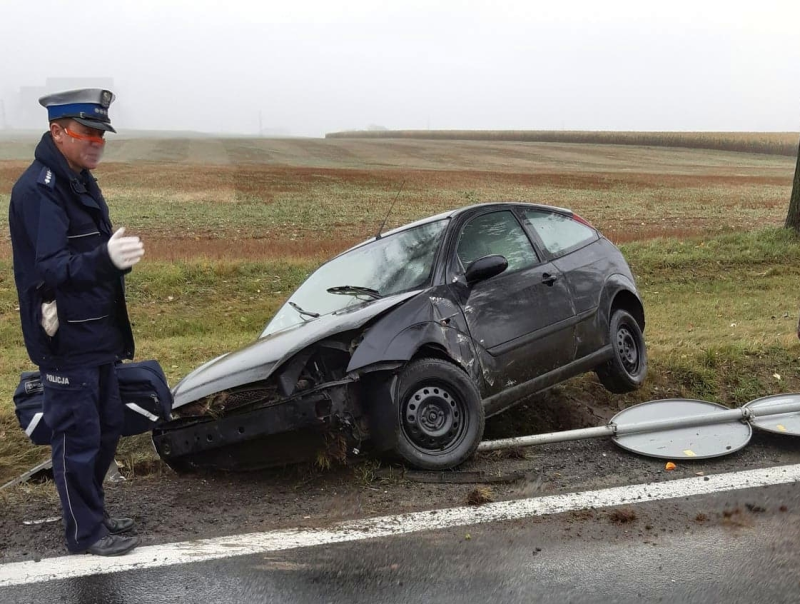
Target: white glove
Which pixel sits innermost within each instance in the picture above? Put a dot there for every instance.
(124, 251)
(49, 318)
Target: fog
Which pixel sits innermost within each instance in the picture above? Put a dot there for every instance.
(308, 67)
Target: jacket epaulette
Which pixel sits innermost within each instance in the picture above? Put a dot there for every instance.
(47, 178)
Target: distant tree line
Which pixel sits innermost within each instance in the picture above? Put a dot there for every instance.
(772, 143)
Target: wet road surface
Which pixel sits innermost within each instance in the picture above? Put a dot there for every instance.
(738, 546)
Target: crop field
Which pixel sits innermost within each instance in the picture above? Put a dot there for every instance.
(775, 143)
(232, 226)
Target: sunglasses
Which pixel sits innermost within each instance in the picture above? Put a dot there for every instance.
(98, 140)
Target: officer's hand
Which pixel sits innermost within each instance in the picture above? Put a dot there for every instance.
(124, 251)
(49, 318)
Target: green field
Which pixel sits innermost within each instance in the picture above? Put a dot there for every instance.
(231, 226)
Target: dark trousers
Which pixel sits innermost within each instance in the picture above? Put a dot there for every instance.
(84, 410)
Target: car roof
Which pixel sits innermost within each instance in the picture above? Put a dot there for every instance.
(457, 212)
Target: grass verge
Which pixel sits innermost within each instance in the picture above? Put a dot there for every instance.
(721, 317)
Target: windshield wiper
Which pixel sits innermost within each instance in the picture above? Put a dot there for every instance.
(315, 315)
(355, 290)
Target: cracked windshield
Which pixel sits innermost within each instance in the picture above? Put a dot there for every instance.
(391, 265)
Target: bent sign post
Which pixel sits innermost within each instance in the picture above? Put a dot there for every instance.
(680, 428)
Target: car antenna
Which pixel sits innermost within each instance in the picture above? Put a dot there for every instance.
(383, 224)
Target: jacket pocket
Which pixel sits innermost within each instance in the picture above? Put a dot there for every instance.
(83, 237)
(88, 325)
(83, 307)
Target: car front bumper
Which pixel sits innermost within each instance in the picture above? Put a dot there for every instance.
(204, 441)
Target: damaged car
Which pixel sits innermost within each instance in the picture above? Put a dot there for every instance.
(404, 344)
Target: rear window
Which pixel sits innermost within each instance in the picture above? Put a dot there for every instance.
(559, 233)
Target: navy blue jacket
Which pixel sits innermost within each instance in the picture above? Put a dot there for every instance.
(59, 233)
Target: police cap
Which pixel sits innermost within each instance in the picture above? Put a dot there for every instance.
(88, 106)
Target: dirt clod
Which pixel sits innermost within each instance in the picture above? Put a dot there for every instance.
(622, 516)
(480, 496)
(755, 509)
(582, 515)
(735, 518)
(512, 453)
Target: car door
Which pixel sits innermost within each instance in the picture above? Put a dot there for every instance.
(577, 249)
(524, 317)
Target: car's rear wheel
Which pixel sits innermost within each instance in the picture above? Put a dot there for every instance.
(441, 415)
(627, 368)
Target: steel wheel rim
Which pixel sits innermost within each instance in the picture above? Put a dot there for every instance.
(628, 350)
(434, 419)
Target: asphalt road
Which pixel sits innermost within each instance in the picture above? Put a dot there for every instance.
(734, 546)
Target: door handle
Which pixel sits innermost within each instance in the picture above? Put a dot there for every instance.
(548, 279)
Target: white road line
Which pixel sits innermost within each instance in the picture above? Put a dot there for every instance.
(186, 552)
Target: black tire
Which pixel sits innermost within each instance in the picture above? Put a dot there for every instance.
(441, 415)
(627, 368)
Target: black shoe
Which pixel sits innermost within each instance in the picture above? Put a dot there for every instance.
(113, 545)
(116, 526)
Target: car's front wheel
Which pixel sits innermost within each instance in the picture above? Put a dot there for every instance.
(627, 368)
(441, 415)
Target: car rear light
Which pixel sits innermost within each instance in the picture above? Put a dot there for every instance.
(582, 221)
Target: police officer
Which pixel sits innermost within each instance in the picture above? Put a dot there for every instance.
(69, 267)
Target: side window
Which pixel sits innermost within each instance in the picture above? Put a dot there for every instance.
(496, 233)
(558, 232)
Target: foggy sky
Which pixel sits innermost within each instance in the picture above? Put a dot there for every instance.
(311, 67)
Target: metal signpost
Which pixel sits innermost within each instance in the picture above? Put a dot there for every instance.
(680, 428)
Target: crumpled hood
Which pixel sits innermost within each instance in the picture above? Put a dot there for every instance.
(259, 360)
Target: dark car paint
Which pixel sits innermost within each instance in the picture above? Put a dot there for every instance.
(589, 273)
(528, 330)
(257, 361)
(430, 318)
(510, 345)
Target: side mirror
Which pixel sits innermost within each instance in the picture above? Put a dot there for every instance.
(486, 268)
